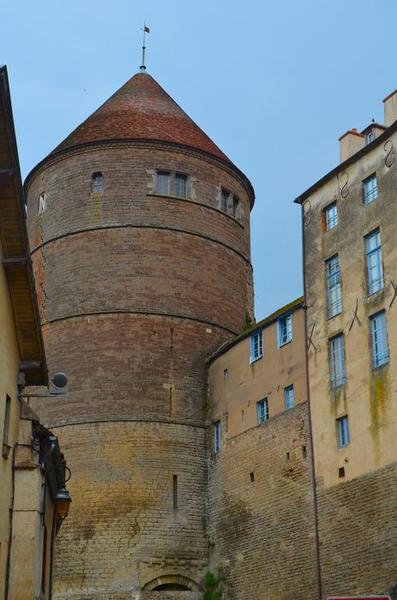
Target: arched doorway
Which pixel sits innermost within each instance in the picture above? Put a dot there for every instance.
(171, 583)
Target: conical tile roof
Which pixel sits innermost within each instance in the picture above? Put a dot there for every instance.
(141, 110)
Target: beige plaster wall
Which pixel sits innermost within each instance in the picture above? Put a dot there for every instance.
(9, 362)
(236, 385)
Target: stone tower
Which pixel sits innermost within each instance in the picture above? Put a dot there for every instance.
(140, 239)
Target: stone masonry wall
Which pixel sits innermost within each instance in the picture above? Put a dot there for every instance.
(264, 529)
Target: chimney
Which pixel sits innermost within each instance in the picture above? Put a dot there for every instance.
(390, 107)
(349, 143)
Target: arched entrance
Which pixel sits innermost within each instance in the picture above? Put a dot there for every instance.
(171, 583)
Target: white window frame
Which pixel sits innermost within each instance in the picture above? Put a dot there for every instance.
(262, 410)
(370, 189)
(256, 345)
(373, 253)
(160, 173)
(379, 339)
(289, 397)
(217, 436)
(343, 432)
(284, 327)
(331, 216)
(337, 361)
(333, 286)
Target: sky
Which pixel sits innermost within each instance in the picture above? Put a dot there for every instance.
(274, 84)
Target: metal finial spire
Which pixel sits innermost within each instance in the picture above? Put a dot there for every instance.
(145, 31)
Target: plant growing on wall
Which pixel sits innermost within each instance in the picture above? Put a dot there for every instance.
(214, 585)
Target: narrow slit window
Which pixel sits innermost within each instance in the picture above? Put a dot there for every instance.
(175, 491)
(42, 203)
(217, 436)
(97, 182)
(6, 427)
(236, 205)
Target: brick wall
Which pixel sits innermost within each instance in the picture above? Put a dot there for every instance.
(264, 529)
(358, 529)
(135, 290)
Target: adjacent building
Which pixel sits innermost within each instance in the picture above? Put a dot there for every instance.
(350, 271)
(32, 467)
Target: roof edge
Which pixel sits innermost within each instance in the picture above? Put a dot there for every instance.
(266, 322)
(349, 161)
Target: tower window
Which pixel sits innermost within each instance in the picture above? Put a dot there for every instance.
(163, 183)
(97, 182)
(217, 436)
(370, 189)
(175, 491)
(262, 410)
(373, 250)
(369, 136)
(180, 185)
(284, 330)
(333, 282)
(224, 200)
(236, 206)
(380, 350)
(6, 427)
(42, 203)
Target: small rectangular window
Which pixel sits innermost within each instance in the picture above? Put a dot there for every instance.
(180, 185)
(370, 189)
(224, 200)
(343, 432)
(333, 283)
(262, 410)
(42, 203)
(96, 182)
(337, 361)
(369, 136)
(331, 216)
(289, 397)
(163, 182)
(217, 436)
(373, 251)
(284, 330)
(380, 349)
(256, 346)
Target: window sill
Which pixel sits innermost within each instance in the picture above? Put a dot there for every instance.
(179, 199)
(329, 318)
(375, 295)
(382, 366)
(284, 344)
(254, 360)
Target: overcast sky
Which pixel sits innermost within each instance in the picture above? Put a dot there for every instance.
(274, 84)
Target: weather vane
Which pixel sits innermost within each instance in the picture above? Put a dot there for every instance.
(145, 31)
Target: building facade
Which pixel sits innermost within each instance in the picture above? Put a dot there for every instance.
(139, 232)
(32, 468)
(350, 269)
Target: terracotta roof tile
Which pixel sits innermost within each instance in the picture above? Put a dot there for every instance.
(141, 109)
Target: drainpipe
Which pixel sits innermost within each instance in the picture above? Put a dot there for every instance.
(10, 523)
(313, 468)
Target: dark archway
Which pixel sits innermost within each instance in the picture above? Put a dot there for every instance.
(171, 586)
(171, 583)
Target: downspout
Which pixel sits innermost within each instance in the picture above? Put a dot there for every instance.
(313, 468)
(10, 523)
